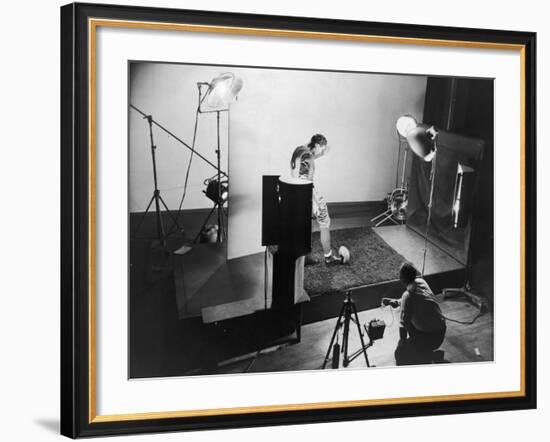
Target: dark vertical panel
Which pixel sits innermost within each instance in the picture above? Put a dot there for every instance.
(478, 121)
(295, 207)
(437, 102)
(271, 224)
(466, 107)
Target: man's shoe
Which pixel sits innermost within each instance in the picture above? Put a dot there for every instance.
(333, 260)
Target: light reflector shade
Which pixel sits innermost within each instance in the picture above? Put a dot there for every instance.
(421, 143)
(405, 124)
(223, 90)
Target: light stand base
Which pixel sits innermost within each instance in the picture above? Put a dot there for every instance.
(221, 226)
(383, 217)
(161, 231)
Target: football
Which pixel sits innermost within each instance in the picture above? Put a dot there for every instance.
(343, 251)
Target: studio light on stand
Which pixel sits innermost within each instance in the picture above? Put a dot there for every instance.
(423, 141)
(398, 199)
(221, 91)
(216, 97)
(162, 234)
(218, 193)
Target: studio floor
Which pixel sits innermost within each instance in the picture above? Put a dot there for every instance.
(463, 343)
(162, 344)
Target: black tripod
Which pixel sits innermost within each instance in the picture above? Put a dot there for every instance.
(347, 315)
(157, 198)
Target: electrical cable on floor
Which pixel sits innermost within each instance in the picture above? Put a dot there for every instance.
(457, 321)
(392, 312)
(480, 313)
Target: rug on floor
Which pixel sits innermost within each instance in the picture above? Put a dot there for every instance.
(372, 261)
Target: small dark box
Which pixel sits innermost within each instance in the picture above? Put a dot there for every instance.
(376, 329)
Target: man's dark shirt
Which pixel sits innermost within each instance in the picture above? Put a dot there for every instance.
(420, 310)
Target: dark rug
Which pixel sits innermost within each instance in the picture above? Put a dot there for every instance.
(372, 261)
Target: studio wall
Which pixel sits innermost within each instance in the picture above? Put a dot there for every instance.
(277, 110)
(169, 93)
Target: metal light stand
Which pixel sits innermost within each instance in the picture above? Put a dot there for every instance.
(157, 198)
(222, 218)
(430, 204)
(388, 214)
(217, 205)
(156, 195)
(347, 315)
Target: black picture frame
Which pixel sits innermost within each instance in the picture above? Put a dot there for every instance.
(77, 405)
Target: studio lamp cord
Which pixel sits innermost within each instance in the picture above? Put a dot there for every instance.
(392, 312)
(475, 318)
(480, 313)
(188, 165)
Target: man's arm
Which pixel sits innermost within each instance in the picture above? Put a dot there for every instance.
(405, 315)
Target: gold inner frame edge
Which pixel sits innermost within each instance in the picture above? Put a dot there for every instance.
(93, 24)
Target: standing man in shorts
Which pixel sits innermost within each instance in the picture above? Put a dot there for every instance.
(302, 166)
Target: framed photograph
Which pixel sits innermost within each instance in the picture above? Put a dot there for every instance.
(275, 220)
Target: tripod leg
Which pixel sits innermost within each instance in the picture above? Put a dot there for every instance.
(160, 227)
(204, 223)
(345, 338)
(224, 222)
(144, 215)
(363, 347)
(174, 220)
(389, 216)
(336, 328)
(380, 215)
(220, 225)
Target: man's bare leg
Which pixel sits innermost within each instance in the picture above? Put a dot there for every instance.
(325, 240)
(325, 244)
(330, 258)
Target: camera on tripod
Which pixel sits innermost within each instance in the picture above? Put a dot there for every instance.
(348, 315)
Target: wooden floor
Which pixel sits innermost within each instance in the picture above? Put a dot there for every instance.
(163, 345)
(463, 343)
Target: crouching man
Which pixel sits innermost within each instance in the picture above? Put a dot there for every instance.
(422, 327)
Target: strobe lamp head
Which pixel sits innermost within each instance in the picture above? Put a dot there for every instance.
(222, 90)
(217, 191)
(405, 124)
(421, 140)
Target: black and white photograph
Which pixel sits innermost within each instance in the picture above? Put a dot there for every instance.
(286, 219)
(274, 221)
